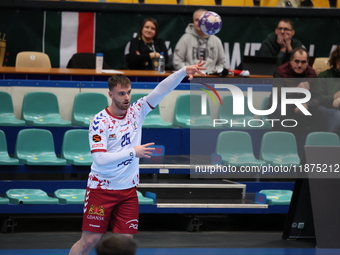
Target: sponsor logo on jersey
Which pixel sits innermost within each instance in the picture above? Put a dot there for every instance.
(134, 125)
(97, 145)
(112, 136)
(96, 138)
(97, 210)
(123, 130)
(125, 163)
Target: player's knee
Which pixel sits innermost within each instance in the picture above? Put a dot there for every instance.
(90, 241)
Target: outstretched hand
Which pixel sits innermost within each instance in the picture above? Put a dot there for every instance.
(192, 70)
(144, 151)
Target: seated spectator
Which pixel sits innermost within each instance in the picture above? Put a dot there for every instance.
(194, 45)
(145, 49)
(298, 69)
(329, 84)
(280, 43)
(116, 244)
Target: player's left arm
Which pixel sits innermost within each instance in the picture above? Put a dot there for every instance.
(172, 81)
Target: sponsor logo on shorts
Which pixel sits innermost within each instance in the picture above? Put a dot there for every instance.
(97, 210)
(95, 226)
(93, 217)
(133, 224)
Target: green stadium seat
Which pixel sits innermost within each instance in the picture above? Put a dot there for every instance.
(85, 106)
(264, 106)
(188, 113)
(7, 117)
(76, 148)
(225, 111)
(236, 149)
(143, 200)
(153, 119)
(279, 148)
(36, 147)
(42, 109)
(70, 196)
(322, 139)
(30, 196)
(277, 197)
(4, 201)
(5, 159)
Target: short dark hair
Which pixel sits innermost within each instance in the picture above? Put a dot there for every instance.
(154, 21)
(335, 56)
(116, 244)
(198, 10)
(118, 79)
(301, 50)
(289, 21)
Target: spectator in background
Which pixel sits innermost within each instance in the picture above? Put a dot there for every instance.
(116, 245)
(302, 73)
(194, 45)
(145, 49)
(329, 84)
(281, 43)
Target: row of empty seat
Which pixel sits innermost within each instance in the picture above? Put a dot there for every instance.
(61, 196)
(277, 148)
(263, 3)
(36, 147)
(42, 109)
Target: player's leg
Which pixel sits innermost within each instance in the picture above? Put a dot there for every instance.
(96, 217)
(86, 243)
(125, 215)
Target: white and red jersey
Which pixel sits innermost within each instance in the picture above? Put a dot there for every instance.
(108, 133)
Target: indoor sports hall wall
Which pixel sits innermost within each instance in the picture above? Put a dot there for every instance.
(242, 32)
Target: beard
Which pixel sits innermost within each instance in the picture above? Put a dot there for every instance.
(122, 105)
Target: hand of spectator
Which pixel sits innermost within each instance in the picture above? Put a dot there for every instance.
(191, 70)
(144, 151)
(304, 85)
(288, 42)
(281, 42)
(154, 55)
(336, 102)
(336, 95)
(298, 111)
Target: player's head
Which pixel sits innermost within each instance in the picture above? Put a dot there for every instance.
(149, 28)
(116, 244)
(119, 79)
(196, 16)
(120, 91)
(299, 60)
(285, 27)
(334, 61)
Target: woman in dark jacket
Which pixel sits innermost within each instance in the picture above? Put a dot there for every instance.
(146, 48)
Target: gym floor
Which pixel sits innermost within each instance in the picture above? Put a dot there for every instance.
(167, 234)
